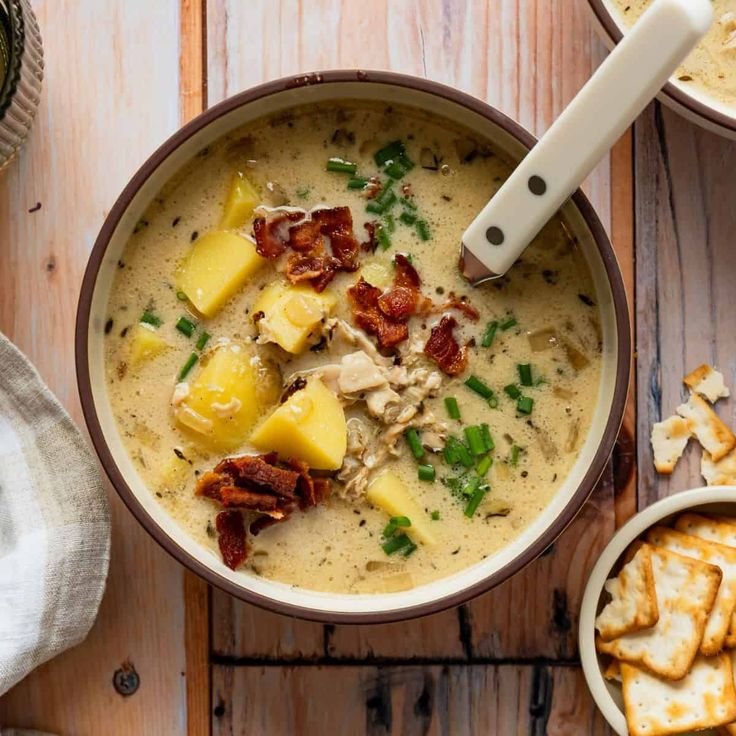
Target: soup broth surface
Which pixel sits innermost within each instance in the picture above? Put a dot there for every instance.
(546, 314)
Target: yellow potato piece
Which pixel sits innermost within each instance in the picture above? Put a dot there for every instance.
(231, 392)
(378, 273)
(241, 201)
(389, 493)
(291, 314)
(218, 264)
(145, 344)
(310, 426)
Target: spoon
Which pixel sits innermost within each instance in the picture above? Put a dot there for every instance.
(609, 102)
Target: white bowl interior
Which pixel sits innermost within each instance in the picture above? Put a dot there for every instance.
(348, 603)
(607, 695)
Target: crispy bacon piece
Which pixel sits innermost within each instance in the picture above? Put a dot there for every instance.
(367, 314)
(260, 471)
(231, 538)
(317, 268)
(461, 304)
(337, 225)
(405, 275)
(443, 349)
(370, 245)
(311, 491)
(263, 503)
(270, 232)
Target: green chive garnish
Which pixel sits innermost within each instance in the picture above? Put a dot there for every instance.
(181, 296)
(470, 486)
(475, 384)
(383, 202)
(388, 218)
(435, 516)
(150, 318)
(512, 391)
(383, 238)
(415, 443)
(186, 326)
(474, 501)
(489, 335)
(191, 360)
(453, 410)
(456, 452)
(401, 520)
(341, 166)
(204, 338)
(475, 440)
(525, 374)
(357, 182)
(396, 543)
(493, 402)
(389, 152)
(394, 523)
(408, 203)
(426, 472)
(508, 324)
(484, 465)
(410, 549)
(515, 452)
(407, 218)
(423, 230)
(524, 405)
(395, 170)
(485, 433)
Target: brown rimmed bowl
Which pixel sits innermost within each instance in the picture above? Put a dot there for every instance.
(694, 104)
(280, 96)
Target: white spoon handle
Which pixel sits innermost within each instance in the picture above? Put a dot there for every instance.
(610, 101)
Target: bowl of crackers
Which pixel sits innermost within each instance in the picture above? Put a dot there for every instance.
(658, 619)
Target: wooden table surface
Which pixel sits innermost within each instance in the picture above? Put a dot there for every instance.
(121, 76)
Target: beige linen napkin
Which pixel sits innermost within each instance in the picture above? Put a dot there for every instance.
(54, 524)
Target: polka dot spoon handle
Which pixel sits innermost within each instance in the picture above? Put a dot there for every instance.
(588, 127)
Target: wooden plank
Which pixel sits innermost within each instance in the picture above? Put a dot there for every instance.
(686, 263)
(102, 93)
(410, 701)
(529, 59)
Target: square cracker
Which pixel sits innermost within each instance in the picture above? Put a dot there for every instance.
(730, 728)
(708, 382)
(705, 698)
(721, 530)
(721, 473)
(669, 440)
(707, 426)
(686, 590)
(633, 604)
(719, 620)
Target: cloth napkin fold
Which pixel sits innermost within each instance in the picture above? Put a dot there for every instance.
(54, 524)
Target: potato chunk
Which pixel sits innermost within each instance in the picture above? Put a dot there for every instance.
(310, 426)
(145, 344)
(240, 203)
(231, 392)
(291, 314)
(218, 264)
(389, 493)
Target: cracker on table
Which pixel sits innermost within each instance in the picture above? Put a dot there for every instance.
(706, 425)
(708, 382)
(686, 591)
(719, 619)
(633, 604)
(704, 698)
(721, 473)
(718, 529)
(669, 440)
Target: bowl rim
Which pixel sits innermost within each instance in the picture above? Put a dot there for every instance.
(633, 528)
(83, 321)
(670, 91)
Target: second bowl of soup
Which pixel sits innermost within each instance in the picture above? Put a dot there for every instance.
(291, 384)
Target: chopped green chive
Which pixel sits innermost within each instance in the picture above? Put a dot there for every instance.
(525, 374)
(302, 192)
(512, 391)
(426, 472)
(341, 166)
(384, 201)
(408, 218)
(204, 338)
(394, 523)
(149, 318)
(396, 543)
(475, 440)
(453, 410)
(191, 360)
(456, 452)
(484, 465)
(515, 452)
(408, 203)
(475, 384)
(395, 170)
(186, 326)
(389, 152)
(357, 182)
(435, 516)
(388, 218)
(485, 433)
(524, 405)
(470, 486)
(493, 402)
(415, 443)
(489, 335)
(401, 520)
(423, 230)
(474, 501)
(383, 238)
(181, 296)
(508, 324)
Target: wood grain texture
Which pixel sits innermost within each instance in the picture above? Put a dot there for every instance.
(686, 266)
(405, 701)
(110, 86)
(529, 59)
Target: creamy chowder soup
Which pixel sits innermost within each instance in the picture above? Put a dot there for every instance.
(711, 66)
(292, 301)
